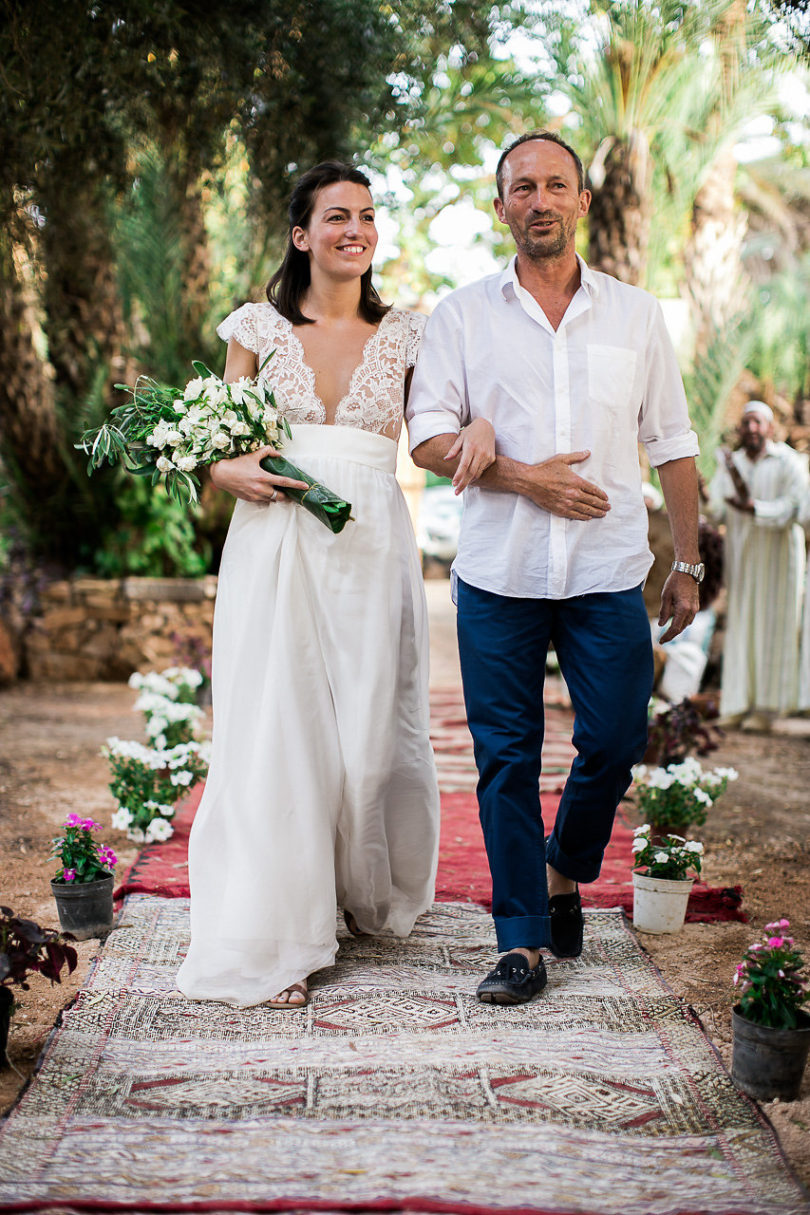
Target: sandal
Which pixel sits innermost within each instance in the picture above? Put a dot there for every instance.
(351, 924)
(300, 988)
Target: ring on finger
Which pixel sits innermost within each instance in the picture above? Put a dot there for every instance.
(274, 495)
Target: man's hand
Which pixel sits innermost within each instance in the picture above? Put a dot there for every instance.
(743, 504)
(679, 604)
(555, 487)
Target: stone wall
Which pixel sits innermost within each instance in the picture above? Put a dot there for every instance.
(101, 629)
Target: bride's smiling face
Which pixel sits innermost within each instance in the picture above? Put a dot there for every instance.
(340, 237)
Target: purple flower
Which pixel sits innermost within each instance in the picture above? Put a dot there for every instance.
(89, 825)
(69, 875)
(107, 856)
(73, 820)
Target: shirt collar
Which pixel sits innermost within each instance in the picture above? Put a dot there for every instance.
(509, 280)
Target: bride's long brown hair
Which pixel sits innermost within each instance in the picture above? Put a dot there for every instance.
(288, 285)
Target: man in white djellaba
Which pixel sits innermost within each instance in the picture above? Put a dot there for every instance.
(756, 491)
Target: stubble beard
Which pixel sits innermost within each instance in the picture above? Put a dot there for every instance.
(552, 244)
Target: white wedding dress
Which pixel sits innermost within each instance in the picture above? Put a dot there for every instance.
(322, 788)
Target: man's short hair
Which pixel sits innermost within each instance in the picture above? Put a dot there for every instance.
(549, 137)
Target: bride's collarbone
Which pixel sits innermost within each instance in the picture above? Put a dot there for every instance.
(334, 353)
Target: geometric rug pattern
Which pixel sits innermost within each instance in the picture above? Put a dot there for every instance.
(394, 1089)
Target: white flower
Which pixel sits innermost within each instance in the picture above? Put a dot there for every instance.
(181, 778)
(179, 405)
(220, 441)
(164, 465)
(644, 829)
(173, 437)
(136, 834)
(661, 779)
(240, 428)
(661, 858)
(639, 845)
(693, 846)
(194, 388)
(121, 819)
(159, 830)
(727, 773)
(700, 795)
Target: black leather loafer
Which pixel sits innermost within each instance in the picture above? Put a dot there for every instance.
(566, 925)
(512, 981)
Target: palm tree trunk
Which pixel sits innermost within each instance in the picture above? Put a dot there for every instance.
(620, 214)
(29, 428)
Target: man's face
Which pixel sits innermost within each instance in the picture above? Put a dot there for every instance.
(541, 201)
(754, 431)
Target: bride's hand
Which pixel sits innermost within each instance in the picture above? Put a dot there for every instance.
(476, 446)
(244, 477)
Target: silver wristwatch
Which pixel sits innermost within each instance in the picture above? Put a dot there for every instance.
(697, 571)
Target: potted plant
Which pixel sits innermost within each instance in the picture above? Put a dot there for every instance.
(661, 893)
(674, 731)
(770, 1029)
(674, 798)
(24, 949)
(83, 886)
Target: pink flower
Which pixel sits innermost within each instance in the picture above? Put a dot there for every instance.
(777, 925)
(755, 948)
(69, 875)
(73, 820)
(89, 825)
(776, 942)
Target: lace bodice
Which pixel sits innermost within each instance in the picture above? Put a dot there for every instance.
(375, 398)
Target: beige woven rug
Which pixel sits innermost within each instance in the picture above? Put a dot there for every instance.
(394, 1090)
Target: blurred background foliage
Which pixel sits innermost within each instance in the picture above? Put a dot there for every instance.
(149, 146)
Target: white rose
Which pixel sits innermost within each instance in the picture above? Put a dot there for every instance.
(194, 388)
(179, 405)
(186, 463)
(164, 465)
(221, 441)
(240, 428)
(173, 437)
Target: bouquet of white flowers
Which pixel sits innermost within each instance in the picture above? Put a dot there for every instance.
(167, 433)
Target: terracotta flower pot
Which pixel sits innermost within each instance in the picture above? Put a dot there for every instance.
(768, 1063)
(659, 904)
(85, 908)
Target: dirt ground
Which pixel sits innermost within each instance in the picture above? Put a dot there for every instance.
(758, 836)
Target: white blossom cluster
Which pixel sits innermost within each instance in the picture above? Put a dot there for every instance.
(171, 683)
(687, 775)
(669, 857)
(212, 420)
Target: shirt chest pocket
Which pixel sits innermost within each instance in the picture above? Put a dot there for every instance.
(611, 376)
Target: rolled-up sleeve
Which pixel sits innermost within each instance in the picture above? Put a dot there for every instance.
(664, 426)
(438, 402)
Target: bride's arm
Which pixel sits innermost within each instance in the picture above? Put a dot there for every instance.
(243, 476)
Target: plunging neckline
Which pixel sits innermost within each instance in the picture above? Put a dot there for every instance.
(310, 371)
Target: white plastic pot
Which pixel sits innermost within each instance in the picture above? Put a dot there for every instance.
(659, 904)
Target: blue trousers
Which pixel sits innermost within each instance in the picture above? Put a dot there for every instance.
(604, 649)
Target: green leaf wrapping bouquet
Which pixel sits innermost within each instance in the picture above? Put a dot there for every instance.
(168, 434)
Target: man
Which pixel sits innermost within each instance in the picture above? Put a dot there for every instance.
(757, 491)
(571, 368)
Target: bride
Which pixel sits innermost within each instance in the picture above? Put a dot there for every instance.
(322, 789)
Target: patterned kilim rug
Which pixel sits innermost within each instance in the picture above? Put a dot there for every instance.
(394, 1090)
(463, 869)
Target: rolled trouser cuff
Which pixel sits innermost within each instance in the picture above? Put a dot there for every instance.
(525, 932)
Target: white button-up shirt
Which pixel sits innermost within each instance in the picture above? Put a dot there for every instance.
(607, 378)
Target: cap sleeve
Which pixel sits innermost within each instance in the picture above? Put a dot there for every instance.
(241, 324)
(416, 328)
